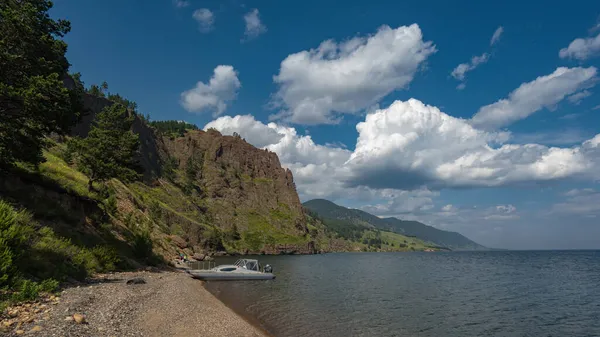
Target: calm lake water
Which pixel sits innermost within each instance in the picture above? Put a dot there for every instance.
(544, 293)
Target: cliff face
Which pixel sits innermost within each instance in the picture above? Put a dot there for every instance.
(245, 189)
(218, 186)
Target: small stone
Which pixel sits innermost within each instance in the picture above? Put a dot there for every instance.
(20, 332)
(46, 317)
(137, 280)
(28, 319)
(79, 318)
(69, 318)
(13, 313)
(36, 328)
(37, 311)
(7, 323)
(100, 329)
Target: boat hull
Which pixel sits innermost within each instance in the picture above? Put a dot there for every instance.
(228, 276)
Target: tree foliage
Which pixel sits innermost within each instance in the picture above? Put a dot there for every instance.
(173, 128)
(33, 99)
(110, 149)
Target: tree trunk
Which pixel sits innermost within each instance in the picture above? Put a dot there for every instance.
(90, 186)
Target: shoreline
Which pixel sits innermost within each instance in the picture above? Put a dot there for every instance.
(166, 303)
(240, 312)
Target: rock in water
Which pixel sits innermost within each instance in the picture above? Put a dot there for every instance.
(137, 280)
(79, 318)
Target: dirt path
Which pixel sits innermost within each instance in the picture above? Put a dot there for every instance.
(168, 304)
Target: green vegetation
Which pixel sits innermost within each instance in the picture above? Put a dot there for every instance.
(338, 217)
(172, 128)
(360, 231)
(109, 149)
(28, 253)
(33, 100)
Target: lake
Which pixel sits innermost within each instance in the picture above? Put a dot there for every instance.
(497, 293)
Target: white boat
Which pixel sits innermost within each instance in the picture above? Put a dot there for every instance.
(242, 269)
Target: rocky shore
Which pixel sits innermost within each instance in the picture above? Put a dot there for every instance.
(152, 303)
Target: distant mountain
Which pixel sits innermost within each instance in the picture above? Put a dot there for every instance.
(328, 210)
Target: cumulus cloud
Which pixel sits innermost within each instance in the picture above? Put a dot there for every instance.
(578, 97)
(496, 37)
(181, 3)
(412, 147)
(317, 85)
(221, 89)
(461, 69)
(205, 19)
(254, 27)
(582, 48)
(528, 98)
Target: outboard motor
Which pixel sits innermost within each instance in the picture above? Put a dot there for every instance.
(268, 268)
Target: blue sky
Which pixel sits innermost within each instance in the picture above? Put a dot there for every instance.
(468, 116)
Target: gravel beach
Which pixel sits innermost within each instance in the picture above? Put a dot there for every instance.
(169, 303)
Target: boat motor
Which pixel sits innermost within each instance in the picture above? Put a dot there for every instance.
(268, 268)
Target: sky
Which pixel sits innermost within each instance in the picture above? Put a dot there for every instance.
(470, 116)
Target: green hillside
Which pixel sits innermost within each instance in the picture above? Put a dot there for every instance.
(365, 237)
(351, 220)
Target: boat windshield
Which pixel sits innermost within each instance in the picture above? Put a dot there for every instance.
(247, 264)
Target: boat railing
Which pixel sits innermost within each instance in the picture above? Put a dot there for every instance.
(201, 265)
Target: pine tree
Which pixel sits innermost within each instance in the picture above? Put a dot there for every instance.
(33, 99)
(110, 149)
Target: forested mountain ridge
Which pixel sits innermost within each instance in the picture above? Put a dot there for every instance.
(342, 216)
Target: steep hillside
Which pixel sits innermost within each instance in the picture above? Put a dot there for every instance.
(342, 216)
(448, 239)
(358, 227)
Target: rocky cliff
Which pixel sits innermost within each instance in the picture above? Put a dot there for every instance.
(220, 193)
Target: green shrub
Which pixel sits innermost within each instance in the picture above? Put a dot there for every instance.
(142, 245)
(49, 286)
(15, 233)
(107, 258)
(27, 291)
(110, 204)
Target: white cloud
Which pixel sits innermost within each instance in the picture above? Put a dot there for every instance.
(579, 202)
(403, 202)
(567, 136)
(181, 3)
(578, 97)
(221, 89)
(205, 19)
(496, 37)
(570, 116)
(528, 98)
(597, 107)
(317, 85)
(461, 69)
(412, 147)
(254, 27)
(255, 132)
(582, 48)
